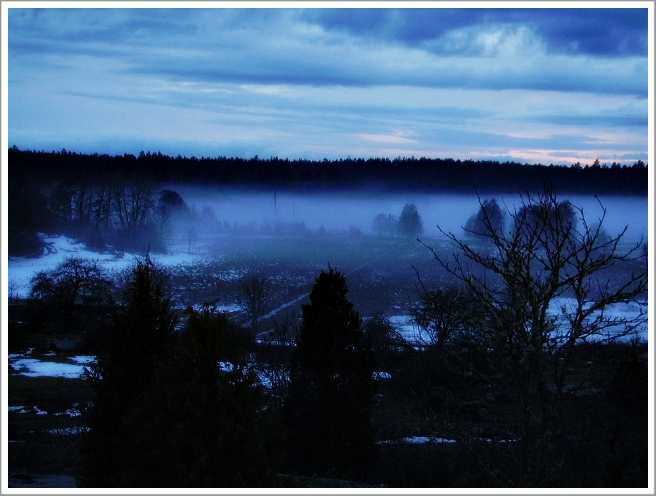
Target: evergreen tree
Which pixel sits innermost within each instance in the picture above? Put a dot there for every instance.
(331, 388)
(168, 412)
(204, 422)
(140, 335)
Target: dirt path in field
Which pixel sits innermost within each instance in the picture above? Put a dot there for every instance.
(305, 295)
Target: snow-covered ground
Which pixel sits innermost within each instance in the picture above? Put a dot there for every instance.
(407, 327)
(22, 270)
(413, 334)
(69, 367)
(561, 307)
(73, 367)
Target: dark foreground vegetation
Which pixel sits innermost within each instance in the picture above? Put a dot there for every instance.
(506, 393)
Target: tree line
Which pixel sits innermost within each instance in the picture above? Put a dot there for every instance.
(398, 174)
(118, 200)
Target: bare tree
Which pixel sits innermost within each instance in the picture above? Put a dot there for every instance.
(544, 288)
(274, 356)
(446, 315)
(134, 203)
(256, 293)
(72, 285)
(102, 207)
(384, 224)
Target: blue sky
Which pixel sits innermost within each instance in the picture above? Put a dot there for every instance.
(536, 85)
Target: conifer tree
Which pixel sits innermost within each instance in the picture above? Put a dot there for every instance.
(204, 422)
(169, 411)
(331, 387)
(140, 335)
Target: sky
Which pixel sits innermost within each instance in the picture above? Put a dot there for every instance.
(532, 85)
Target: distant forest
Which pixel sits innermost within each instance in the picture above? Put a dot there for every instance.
(399, 174)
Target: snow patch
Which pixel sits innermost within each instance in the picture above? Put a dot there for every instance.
(439, 440)
(226, 366)
(83, 359)
(19, 409)
(33, 367)
(407, 327)
(21, 270)
(71, 412)
(419, 440)
(69, 431)
(233, 308)
(414, 335)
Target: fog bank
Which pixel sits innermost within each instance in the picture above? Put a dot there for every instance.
(341, 211)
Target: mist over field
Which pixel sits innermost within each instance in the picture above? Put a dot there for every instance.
(340, 211)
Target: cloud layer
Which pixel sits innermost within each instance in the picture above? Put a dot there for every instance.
(548, 85)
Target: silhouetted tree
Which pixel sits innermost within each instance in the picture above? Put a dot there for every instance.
(536, 219)
(170, 202)
(410, 223)
(331, 388)
(134, 205)
(208, 221)
(28, 214)
(70, 287)
(142, 331)
(255, 292)
(489, 215)
(385, 340)
(401, 174)
(384, 224)
(447, 315)
(203, 422)
(171, 210)
(544, 258)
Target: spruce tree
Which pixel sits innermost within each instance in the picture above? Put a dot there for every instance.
(167, 413)
(140, 336)
(331, 389)
(202, 423)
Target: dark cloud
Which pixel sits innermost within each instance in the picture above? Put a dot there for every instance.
(602, 32)
(278, 46)
(589, 31)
